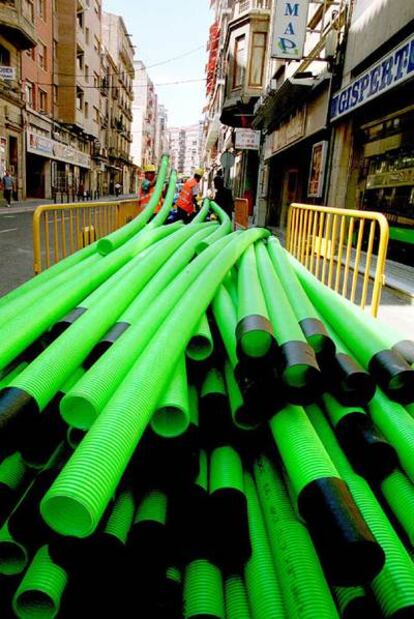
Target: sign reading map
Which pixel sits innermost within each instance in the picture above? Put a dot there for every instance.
(289, 30)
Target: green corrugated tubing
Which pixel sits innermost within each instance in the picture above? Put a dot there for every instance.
(174, 574)
(410, 409)
(202, 213)
(225, 315)
(262, 586)
(93, 392)
(51, 272)
(8, 377)
(119, 237)
(193, 402)
(19, 333)
(201, 345)
(167, 272)
(363, 334)
(13, 471)
(398, 491)
(394, 586)
(203, 591)
(302, 452)
(45, 375)
(230, 283)
(165, 209)
(226, 470)
(122, 516)
(303, 584)
(255, 343)
(13, 556)
(40, 592)
(237, 604)
(78, 498)
(237, 405)
(348, 595)
(213, 383)
(397, 426)
(202, 477)
(224, 228)
(172, 416)
(298, 300)
(153, 507)
(337, 411)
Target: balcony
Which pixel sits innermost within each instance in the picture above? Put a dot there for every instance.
(243, 7)
(15, 25)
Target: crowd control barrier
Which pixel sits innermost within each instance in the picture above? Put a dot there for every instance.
(61, 230)
(345, 249)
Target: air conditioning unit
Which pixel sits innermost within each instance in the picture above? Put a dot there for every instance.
(331, 43)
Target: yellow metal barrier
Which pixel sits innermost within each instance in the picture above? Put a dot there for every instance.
(345, 249)
(61, 229)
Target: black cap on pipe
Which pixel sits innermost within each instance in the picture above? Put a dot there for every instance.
(66, 322)
(255, 322)
(105, 344)
(296, 354)
(394, 375)
(369, 453)
(261, 389)
(17, 410)
(312, 327)
(406, 350)
(347, 549)
(347, 379)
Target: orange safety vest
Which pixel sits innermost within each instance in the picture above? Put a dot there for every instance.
(185, 199)
(147, 197)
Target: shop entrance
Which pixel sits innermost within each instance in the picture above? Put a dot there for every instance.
(35, 176)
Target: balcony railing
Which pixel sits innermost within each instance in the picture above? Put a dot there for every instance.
(245, 6)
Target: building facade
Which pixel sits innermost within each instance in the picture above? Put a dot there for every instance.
(161, 134)
(145, 117)
(185, 148)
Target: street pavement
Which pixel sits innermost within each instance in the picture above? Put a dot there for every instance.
(16, 266)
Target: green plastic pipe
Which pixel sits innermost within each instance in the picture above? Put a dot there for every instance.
(225, 315)
(193, 403)
(337, 411)
(254, 342)
(346, 597)
(172, 416)
(119, 237)
(40, 592)
(201, 345)
(13, 556)
(74, 436)
(202, 213)
(224, 228)
(398, 491)
(241, 418)
(9, 376)
(237, 604)
(391, 596)
(302, 581)
(122, 516)
(19, 333)
(299, 301)
(262, 586)
(203, 591)
(397, 425)
(165, 209)
(13, 471)
(202, 477)
(153, 507)
(226, 470)
(78, 498)
(230, 283)
(213, 383)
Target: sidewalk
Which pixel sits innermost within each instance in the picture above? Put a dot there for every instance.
(27, 206)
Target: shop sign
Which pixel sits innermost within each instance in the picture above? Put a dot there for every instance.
(289, 131)
(247, 139)
(391, 179)
(317, 169)
(45, 147)
(289, 30)
(7, 73)
(393, 69)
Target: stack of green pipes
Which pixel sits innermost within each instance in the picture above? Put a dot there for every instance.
(191, 425)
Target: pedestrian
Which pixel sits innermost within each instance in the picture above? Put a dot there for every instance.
(186, 204)
(117, 188)
(8, 186)
(223, 196)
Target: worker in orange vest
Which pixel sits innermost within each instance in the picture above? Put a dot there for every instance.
(187, 200)
(148, 184)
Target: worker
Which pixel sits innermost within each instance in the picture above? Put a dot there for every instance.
(187, 204)
(148, 184)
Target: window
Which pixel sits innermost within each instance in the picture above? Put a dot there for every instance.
(86, 73)
(239, 67)
(80, 17)
(80, 60)
(42, 9)
(87, 36)
(30, 94)
(55, 94)
(257, 59)
(42, 101)
(4, 56)
(42, 56)
(86, 109)
(97, 45)
(79, 99)
(96, 80)
(96, 119)
(28, 10)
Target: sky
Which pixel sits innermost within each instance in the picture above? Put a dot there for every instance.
(162, 30)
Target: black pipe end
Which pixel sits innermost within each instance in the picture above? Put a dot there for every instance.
(17, 410)
(351, 384)
(370, 455)
(394, 375)
(42, 434)
(229, 522)
(347, 549)
(300, 372)
(318, 338)
(261, 389)
(252, 323)
(406, 350)
(63, 324)
(105, 344)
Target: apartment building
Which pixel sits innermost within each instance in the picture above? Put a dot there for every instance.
(17, 34)
(145, 117)
(161, 134)
(193, 147)
(177, 148)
